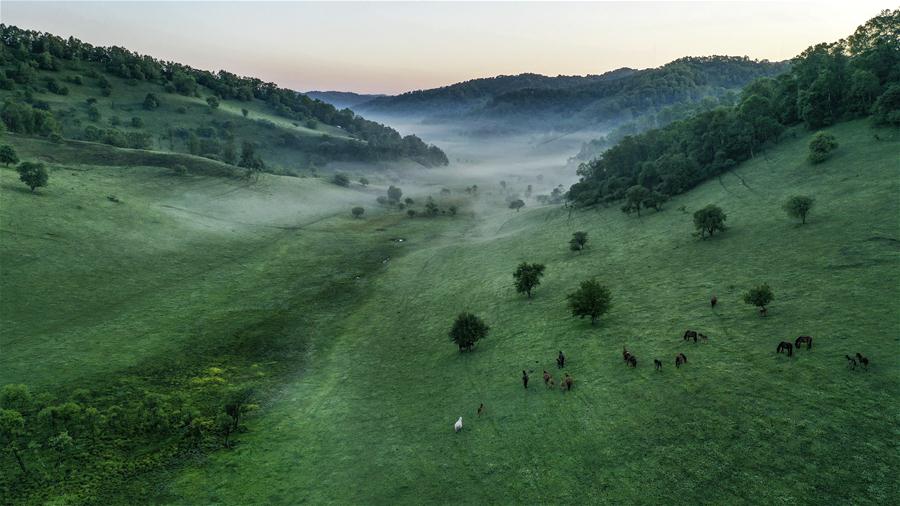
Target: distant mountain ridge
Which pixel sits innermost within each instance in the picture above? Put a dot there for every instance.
(533, 102)
(342, 99)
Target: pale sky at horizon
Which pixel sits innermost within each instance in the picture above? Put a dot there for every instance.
(394, 47)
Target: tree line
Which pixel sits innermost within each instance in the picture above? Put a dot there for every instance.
(855, 77)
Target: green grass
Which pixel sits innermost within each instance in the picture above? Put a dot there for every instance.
(186, 274)
(371, 420)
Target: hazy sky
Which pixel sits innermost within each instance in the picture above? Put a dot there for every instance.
(395, 47)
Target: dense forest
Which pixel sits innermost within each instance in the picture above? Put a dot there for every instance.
(827, 83)
(531, 102)
(35, 64)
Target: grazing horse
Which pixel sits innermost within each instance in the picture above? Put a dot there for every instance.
(785, 346)
(690, 334)
(680, 359)
(547, 378)
(862, 360)
(524, 379)
(561, 360)
(481, 409)
(657, 364)
(803, 339)
(567, 382)
(713, 301)
(632, 361)
(851, 362)
(458, 425)
(625, 354)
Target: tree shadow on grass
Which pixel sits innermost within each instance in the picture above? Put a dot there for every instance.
(20, 189)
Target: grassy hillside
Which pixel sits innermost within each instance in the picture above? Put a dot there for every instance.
(101, 95)
(371, 418)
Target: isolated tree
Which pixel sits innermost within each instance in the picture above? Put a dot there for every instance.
(590, 299)
(409, 201)
(340, 180)
(654, 200)
(517, 204)
(411, 213)
(821, 146)
(798, 206)
(528, 277)
(578, 241)
(151, 102)
(709, 220)
(394, 193)
(467, 330)
(245, 112)
(8, 155)
(634, 199)
(363, 181)
(12, 434)
(33, 174)
(760, 297)
(212, 102)
(357, 211)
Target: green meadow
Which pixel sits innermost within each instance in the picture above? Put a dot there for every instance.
(369, 419)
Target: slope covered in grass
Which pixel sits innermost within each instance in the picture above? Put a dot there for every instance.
(371, 419)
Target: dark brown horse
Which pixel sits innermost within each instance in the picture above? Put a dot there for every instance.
(713, 301)
(803, 339)
(567, 382)
(657, 364)
(547, 378)
(481, 409)
(625, 354)
(560, 360)
(632, 361)
(785, 346)
(690, 334)
(863, 361)
(851, 362)
(680, 359)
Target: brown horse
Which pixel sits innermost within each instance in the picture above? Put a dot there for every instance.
(851, 362)
(785, 346)
(568, 381)
(803, 339)
(481, 409)
(657, 364)
(680, 359)
(547, 378)
(625, 354)
(524, 379)
(863, 361)
(690, 334)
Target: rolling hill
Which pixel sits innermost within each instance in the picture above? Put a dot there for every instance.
(65, 87)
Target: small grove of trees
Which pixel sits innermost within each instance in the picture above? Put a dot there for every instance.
(760, 296)
(709, 220)
(249, 159)
(638, 196)
(357, 211)
(33, 174)
(8, 155)
(578, 241)
(340, 180)
(467, 330)
(821, 146)
(590, 299)
(517, 204)
(528, 277)
(798, 206)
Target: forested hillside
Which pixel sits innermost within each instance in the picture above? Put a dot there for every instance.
(827, 83)
(68, 89)
(530, 102)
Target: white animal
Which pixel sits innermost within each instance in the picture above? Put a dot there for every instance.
(458, 425)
